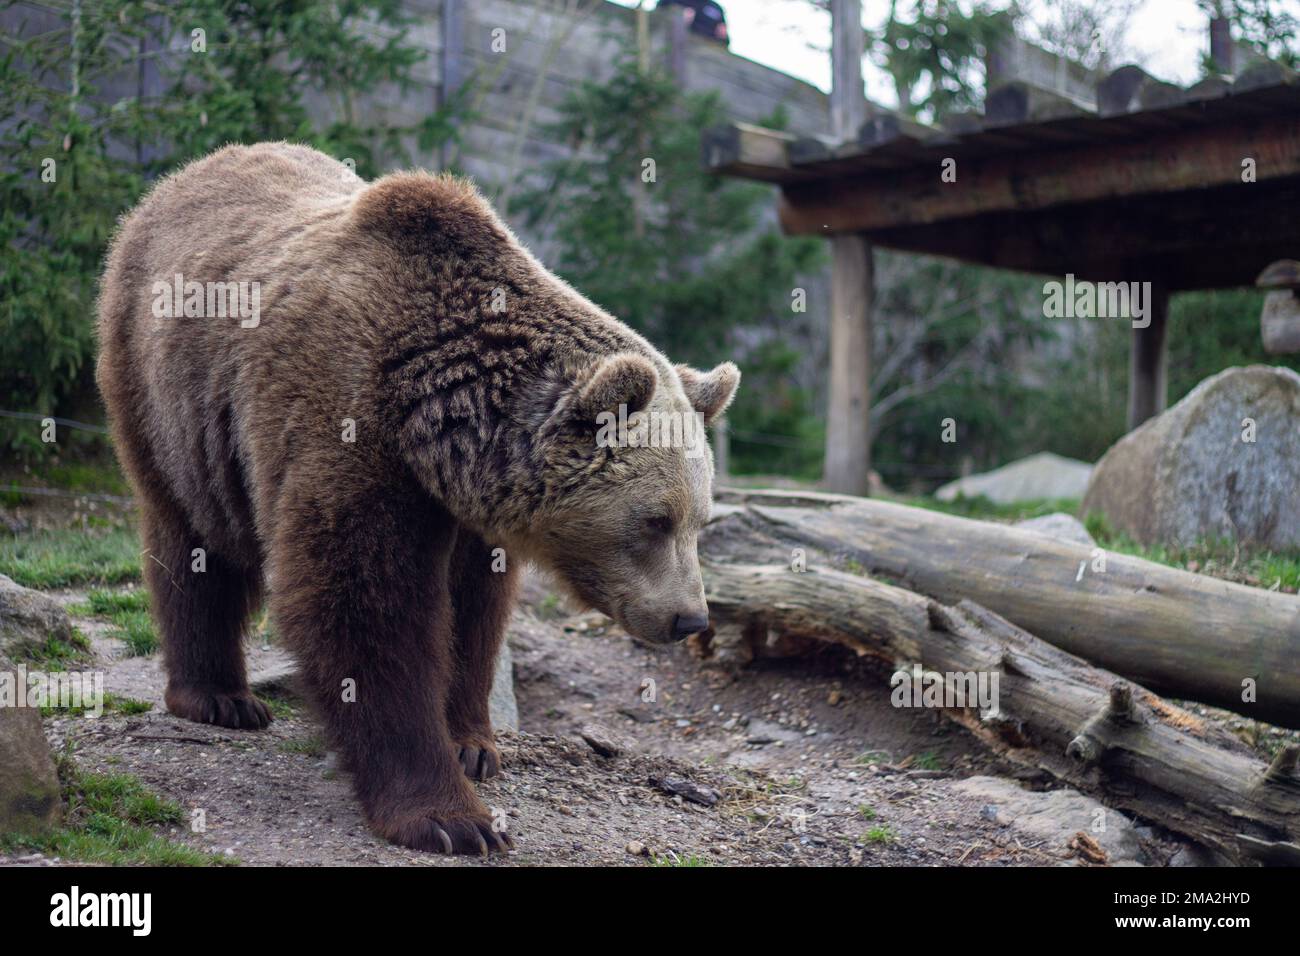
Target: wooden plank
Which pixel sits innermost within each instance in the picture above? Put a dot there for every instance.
(1184, 159)
(1019, 102)
(752, 152)
(1130, 89)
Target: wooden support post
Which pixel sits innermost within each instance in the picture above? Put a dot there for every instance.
(1148, 371)
(453, 64)
(848, 419)
(677, 39)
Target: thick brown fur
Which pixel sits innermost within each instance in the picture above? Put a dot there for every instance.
(469, 374)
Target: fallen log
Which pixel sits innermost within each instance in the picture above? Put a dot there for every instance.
(1181, 634)
(1052, 714)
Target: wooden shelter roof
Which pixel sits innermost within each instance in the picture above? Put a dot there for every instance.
(1148, 185)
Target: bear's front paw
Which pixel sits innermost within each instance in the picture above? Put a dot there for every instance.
(478, 756)
(443, 832)
(239, 710)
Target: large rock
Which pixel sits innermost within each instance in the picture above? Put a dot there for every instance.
(29, 783)
(1191, 474)
(28, 619)
(1030, 479)
(501, 702)
(1056, 817)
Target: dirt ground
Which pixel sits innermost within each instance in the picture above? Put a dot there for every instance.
(799, 762)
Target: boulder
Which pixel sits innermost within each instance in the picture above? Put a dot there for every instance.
(1056, 817)
(28, 619)
(1224, 463)
(29, 784)
(1030, 479)
(502, 708)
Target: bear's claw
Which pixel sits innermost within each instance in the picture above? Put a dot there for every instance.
(447, 834)
(479, 759)
(239, 710)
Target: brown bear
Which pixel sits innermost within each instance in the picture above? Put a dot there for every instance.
(367, 404)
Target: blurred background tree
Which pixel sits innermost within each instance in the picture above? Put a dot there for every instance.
(73, 159)
(634, 220)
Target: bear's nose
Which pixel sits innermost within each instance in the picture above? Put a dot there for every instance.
(684, 625)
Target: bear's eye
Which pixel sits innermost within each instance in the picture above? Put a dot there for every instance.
(660, 524)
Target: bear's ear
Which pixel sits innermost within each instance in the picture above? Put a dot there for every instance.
(428, 209)
(623, 379)
(710, 392)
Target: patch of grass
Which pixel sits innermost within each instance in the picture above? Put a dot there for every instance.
(549, 607)
(111, 819)
(866, 812)
(126, 706)
(100, 475)
(129, 613)
(280, 704)
(313, 746)
(879, 835)
(672, 859)
(983, 509)
(65, 558)
(1218, 559)
(55, 654)
(927, 761)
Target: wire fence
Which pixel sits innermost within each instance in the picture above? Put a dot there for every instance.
(67, 422)
(756, 438)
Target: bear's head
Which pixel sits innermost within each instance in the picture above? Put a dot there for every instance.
(630, 484)
(604, 474)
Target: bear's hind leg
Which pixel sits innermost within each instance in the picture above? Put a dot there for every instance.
(482, 585)
(201, 616)
(359, 591)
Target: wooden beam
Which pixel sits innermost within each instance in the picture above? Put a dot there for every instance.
(1016, 102)
(1213, 238)
(1148, 362)
(748, 151)
(1171, 162)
